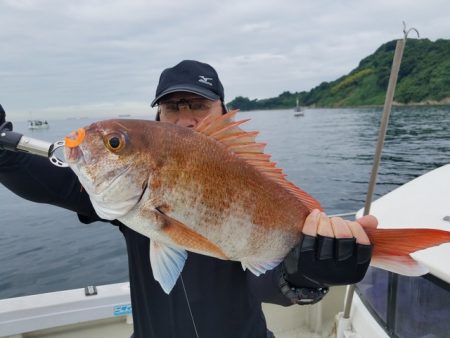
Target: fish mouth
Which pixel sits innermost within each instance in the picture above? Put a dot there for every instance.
(73, 155)
(99, 188)
(72, 143)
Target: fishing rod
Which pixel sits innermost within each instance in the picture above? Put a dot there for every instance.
(13, 141)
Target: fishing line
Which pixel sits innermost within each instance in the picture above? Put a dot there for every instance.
(189, 306)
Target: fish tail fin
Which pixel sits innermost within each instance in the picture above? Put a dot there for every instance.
(391, 248)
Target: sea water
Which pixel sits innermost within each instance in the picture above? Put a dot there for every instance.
(327, 152)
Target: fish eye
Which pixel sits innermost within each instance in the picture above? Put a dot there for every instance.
(115, 142)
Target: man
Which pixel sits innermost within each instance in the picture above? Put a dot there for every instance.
(212, 298)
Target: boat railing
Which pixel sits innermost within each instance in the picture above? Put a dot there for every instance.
(42, 311)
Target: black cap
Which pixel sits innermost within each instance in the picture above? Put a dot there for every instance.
(190, 76)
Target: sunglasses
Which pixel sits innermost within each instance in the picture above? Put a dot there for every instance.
(197, 104)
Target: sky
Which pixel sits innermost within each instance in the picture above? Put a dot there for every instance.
(61, 59)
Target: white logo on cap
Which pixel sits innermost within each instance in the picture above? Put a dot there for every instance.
(204, 79)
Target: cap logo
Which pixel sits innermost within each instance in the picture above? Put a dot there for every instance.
(204, 79)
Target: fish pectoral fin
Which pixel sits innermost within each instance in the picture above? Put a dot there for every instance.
(188, 238)
(167, 263)
(258, 268)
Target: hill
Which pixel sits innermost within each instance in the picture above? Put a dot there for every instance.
(424, 78)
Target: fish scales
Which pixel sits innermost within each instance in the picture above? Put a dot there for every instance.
(222, 197)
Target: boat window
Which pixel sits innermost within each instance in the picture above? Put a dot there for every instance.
(423, 308)
(373, 290)
(407, 307)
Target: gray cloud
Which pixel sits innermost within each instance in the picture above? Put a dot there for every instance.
(89, 57)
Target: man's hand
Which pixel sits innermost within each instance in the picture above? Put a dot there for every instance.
(4, 125)
(8, 139)
(333, 251)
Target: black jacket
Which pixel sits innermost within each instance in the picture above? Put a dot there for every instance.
(225, 301)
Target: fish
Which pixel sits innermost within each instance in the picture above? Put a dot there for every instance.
(210, 190)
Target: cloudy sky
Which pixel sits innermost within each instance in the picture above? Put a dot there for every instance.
(61, 58)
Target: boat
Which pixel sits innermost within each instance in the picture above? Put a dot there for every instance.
(385, 305)
(37, 124)
(298, 110)
(389, 305)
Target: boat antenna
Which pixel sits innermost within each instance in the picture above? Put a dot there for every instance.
(406, 32)
(344, 320)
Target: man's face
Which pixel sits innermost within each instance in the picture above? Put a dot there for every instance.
(187, 109)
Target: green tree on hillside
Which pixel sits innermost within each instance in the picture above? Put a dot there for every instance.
(424, 76)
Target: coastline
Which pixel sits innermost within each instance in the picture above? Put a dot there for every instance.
(427, 103)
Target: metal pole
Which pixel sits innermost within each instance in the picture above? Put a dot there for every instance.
(384, 122)
(381, 137)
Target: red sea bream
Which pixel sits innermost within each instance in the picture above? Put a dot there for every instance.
(210, 190)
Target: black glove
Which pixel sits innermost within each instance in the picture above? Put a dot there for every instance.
(3, 123)
(2, 115)
(318, 262)
(8, 138)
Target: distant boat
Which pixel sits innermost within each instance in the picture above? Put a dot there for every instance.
(298, 109)
(37, 124)
(124, 115)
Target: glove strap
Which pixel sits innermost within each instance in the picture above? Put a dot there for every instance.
(300, 296)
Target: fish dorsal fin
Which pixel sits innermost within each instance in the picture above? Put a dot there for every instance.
(242, 143)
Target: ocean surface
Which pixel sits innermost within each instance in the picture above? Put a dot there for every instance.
(327, 152)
